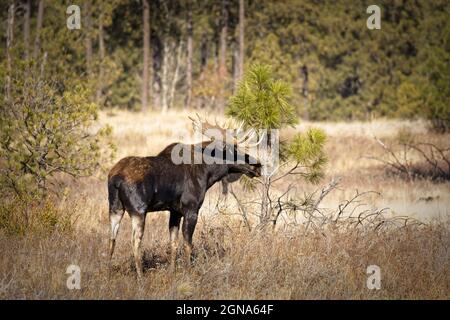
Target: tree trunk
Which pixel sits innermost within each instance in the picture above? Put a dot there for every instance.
(223, 40)
(222, 67)
(175, 75)
(9, 44)
(43, 63)
(146, 49)
(203, 53)
(266, 210)
(187, 102)
(88, 40)
(305, 91)
(236, 66)
(101, 48)
(304, 72)
(265, 154)
(37, 39)
(156, 45)
(241, 37)
(265, 205)
(26, 28)
(164, 76)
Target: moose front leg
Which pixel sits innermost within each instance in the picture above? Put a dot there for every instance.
(189, 223)
(174, 226)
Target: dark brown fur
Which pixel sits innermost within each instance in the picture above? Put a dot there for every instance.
(132, 169)
(144, 184)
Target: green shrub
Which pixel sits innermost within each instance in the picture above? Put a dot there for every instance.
(46, 130)
(22, 215)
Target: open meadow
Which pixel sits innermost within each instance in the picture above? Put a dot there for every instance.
(234, 260)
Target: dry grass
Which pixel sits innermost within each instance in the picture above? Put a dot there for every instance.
(232, 263)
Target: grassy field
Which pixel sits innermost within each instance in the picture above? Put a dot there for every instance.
(230, 261)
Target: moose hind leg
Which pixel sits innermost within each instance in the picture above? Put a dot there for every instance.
(116, 211)
(189, 223)
(115, 216)
(174, 226)
(137, 224)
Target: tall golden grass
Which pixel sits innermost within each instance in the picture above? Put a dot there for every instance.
(230, 261)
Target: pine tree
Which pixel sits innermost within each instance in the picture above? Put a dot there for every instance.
(263, 102)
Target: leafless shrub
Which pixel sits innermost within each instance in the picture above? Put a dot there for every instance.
(351, 214)
(307, 215)
(414, 159)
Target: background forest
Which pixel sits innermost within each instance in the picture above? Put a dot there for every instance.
(178, 54)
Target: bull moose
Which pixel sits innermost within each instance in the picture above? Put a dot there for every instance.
(140, 185)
